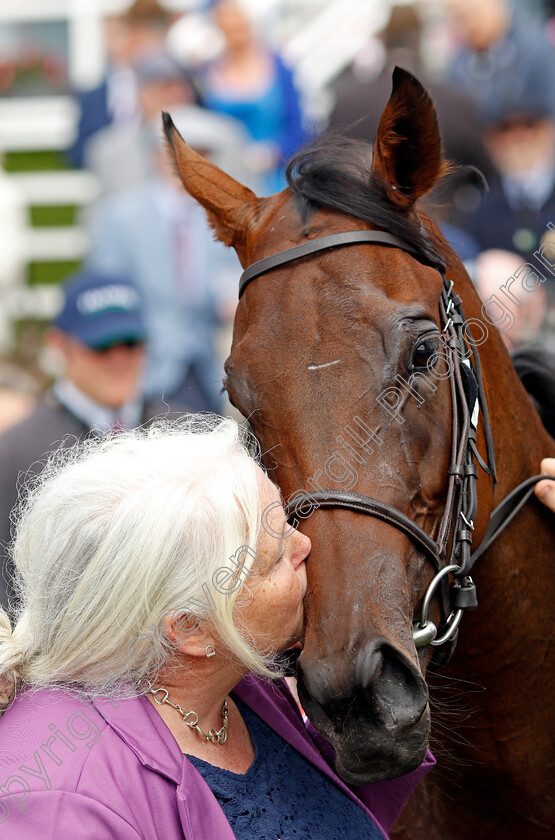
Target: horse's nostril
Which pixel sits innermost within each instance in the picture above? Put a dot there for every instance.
(385, 690)
(396, 690)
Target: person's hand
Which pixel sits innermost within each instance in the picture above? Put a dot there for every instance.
(545, 490)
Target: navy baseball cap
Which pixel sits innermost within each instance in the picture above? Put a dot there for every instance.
(528, 100)
(101, 310)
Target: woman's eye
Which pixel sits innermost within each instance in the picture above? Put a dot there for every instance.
(425, 352)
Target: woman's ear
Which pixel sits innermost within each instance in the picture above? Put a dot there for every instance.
(187, 634)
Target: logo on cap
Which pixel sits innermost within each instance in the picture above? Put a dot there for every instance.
(97, 301)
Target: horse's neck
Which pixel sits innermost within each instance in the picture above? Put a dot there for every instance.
(505, 647)
(505, 658)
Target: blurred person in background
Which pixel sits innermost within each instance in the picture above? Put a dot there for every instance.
(18, 392)
(503, 60)
(99, 339)
(545, 255)
(138, 32)
(519, 132)
(535, 366)
(500, 55)
(549, 6)
(361, 92)
(158, 236)
(15, 405)
(251, 83)
(521, 314)
(120, 155)
(520, 311)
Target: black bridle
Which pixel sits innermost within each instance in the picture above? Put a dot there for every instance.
(467, 400)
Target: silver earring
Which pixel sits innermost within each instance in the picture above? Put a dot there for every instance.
(210, 651)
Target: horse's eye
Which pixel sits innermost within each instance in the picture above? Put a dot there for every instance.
(425, 349)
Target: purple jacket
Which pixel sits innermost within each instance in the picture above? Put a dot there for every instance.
(73, 770)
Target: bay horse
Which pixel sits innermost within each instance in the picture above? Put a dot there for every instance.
(369, 390)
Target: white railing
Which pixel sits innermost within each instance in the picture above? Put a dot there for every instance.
(37, 244)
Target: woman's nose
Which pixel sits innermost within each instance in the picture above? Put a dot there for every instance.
(303, 547)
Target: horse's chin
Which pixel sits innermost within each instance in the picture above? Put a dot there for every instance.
(378, 768)
(377, 754)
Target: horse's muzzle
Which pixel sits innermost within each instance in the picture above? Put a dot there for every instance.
(379, 723)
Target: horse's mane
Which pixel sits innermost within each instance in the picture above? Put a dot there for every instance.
(536, 370)
(335, 171)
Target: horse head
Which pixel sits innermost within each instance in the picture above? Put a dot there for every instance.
(338, 363)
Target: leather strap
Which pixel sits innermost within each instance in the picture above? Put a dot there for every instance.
(508, 508)
(372, 507)
(323, 243)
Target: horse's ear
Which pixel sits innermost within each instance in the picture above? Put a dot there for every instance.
(230, 206)
(407, 153)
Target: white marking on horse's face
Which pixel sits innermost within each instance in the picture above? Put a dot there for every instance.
(326, 364)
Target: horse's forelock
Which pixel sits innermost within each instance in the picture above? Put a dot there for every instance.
(335, 172)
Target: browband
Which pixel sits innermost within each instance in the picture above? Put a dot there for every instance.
(334, 240)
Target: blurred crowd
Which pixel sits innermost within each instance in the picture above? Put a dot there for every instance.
(490, 68)
(242, 111)
(494, 91)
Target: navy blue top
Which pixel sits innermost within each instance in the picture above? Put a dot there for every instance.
(282, 795)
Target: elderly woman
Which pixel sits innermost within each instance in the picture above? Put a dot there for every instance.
(148, 701)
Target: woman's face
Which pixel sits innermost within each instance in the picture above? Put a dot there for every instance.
(277, 586)
(231, 19)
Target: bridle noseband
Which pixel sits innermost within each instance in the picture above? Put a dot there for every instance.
(467, 400)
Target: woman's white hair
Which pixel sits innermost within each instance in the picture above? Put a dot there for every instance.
(119, 533)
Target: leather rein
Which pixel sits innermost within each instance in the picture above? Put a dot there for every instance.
(467, 400)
